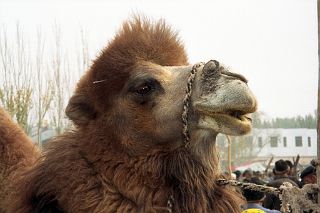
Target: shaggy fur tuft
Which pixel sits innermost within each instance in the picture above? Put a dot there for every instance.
(138, 40)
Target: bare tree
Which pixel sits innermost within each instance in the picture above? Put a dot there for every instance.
(83, 60)
(44, 84)
(16, 90)
(34, 86)
(61, 81)
(58, 84)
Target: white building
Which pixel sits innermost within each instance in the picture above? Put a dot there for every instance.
(285, 143)
(262, 144)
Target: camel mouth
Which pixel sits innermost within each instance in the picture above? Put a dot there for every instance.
(232, 122)
(236, 117)
(228, 109)
(240, 115)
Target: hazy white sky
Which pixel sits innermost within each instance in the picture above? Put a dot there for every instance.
(272, 42)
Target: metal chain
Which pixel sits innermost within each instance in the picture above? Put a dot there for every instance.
(291, 196)
(250, 186)
(186, 102)
(170, 203)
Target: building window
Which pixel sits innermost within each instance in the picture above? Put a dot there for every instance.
(274, 141)
(284, 141)
(298, 140)
(309, 141)
(260, 142)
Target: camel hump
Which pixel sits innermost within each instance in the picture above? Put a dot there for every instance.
(17, 153)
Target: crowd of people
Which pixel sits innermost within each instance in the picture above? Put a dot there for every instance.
(283, 171)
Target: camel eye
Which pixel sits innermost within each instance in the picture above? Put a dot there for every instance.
(144, 89)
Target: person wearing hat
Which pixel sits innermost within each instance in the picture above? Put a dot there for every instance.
(255, 200)
(281, 174)
(308, 175)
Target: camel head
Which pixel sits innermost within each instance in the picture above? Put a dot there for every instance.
(134, 93)
(223, 101)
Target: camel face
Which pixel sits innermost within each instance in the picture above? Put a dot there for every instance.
(136, 96)
(151, 103)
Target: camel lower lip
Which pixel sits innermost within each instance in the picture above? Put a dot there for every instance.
(226, 123)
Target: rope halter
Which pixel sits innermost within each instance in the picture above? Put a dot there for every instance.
(187, 102)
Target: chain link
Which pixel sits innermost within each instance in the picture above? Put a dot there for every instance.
(293, 199)
(250, 186)
(170, 203)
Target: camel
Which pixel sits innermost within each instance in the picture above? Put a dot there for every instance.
(17, 154)
(130, 150)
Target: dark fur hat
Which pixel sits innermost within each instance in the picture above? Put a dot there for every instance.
(307, 171)
(281, 167)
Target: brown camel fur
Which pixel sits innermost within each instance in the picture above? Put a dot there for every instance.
(126, 153)
(17, 154)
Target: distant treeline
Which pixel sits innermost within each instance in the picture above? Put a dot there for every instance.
(308, 121)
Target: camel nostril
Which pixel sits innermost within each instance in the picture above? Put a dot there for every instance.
(212, 67)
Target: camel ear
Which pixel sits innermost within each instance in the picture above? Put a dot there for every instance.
(80, 110)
